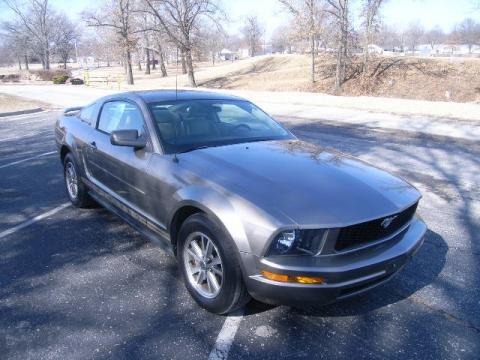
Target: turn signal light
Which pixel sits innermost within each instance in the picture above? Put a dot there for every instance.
(295, 279)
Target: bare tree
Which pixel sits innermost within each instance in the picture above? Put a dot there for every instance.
(310, 14)
(281, 40)
(17, 42)
(159, 43)
(469, 33)
(434, 36)
(414, 34)
(370, 10)
(178, 19)
(118, 15)
(102, 45)
(252, 32)
(340, 11)
(209, 42)
(65, 36)
(38, 21)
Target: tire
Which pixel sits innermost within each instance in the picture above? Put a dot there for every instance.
(232, 293)
(79, 198)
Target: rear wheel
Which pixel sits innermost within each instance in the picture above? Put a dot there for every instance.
(208, 260)
(76, 190)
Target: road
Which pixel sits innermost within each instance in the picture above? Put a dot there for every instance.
(82, 284)
(448, 119)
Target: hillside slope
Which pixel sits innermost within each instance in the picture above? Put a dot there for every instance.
(409, 78)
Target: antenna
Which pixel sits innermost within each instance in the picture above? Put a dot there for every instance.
(176, 76)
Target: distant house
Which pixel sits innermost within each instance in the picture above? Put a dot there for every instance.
(227, 55)
(375, 49)
(86, 61)
(448, 50)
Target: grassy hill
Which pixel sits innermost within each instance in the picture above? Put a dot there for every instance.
(437, 79)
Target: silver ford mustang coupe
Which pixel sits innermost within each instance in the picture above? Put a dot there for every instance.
(247, 208)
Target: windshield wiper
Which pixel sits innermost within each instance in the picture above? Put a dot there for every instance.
(193, 148)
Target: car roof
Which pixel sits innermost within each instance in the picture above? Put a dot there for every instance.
(171, 95)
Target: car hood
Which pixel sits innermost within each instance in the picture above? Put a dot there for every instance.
(307, 183)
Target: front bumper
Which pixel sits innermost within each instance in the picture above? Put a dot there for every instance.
(345, 274)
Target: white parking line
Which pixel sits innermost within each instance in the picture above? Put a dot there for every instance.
(27, 159)
(27, 135)
(22, 116)
(37, 121)
(226, 336)
(33, 220)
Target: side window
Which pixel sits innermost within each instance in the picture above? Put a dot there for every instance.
(121, 115)
(87, 114)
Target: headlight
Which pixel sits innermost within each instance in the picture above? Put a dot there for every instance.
(298, 242)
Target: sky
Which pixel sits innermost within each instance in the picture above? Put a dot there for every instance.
(398, 13)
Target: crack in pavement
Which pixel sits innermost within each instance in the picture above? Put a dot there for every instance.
(448, 316)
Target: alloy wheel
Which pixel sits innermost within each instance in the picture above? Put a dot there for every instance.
(71, 180)
(203, 265)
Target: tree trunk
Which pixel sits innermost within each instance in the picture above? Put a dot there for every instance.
(128, 62)
(147, 60)
(161, 59)
(184, 64)
(19, 64)
(312, 49)
(47, 58)
(365, 56)
(366, 43)
(65, 63)
(153, 61)
(338, 83)
(26, 62)
(189, 63)
(139, 64)
(342, 48)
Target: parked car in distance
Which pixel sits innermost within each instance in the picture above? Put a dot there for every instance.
(247, 208)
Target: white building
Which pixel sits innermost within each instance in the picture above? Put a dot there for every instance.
(448, 50)
(375, 49)
(227, 55)
(86, 61)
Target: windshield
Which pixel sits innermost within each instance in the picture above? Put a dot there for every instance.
(190, 124)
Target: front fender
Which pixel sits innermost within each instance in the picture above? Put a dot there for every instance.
(216, 205)
(249, 226)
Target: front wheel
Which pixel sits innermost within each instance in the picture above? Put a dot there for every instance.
(210, 267)
(76, 190)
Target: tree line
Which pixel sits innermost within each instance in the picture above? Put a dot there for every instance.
(122, 27)
(192, 30)
(327, 26)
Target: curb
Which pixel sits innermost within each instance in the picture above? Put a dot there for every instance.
(22, 112)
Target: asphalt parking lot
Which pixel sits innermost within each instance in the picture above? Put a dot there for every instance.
(81, 284)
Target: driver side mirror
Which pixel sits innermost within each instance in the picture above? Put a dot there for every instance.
(127, 138)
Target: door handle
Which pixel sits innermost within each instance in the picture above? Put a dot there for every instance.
(93, 144)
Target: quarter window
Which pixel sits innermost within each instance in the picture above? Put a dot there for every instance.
(121, 115)
(87, 114)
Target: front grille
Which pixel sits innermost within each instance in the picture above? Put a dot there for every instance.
(370, 231)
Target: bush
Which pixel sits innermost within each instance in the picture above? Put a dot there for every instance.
(60, 79)
(48, 75)
(10, 78)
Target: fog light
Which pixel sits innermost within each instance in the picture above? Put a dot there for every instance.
(309, 280)
(292, 279)
(275, 277)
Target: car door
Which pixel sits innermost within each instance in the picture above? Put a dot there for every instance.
(121, 170)
(85, 133)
